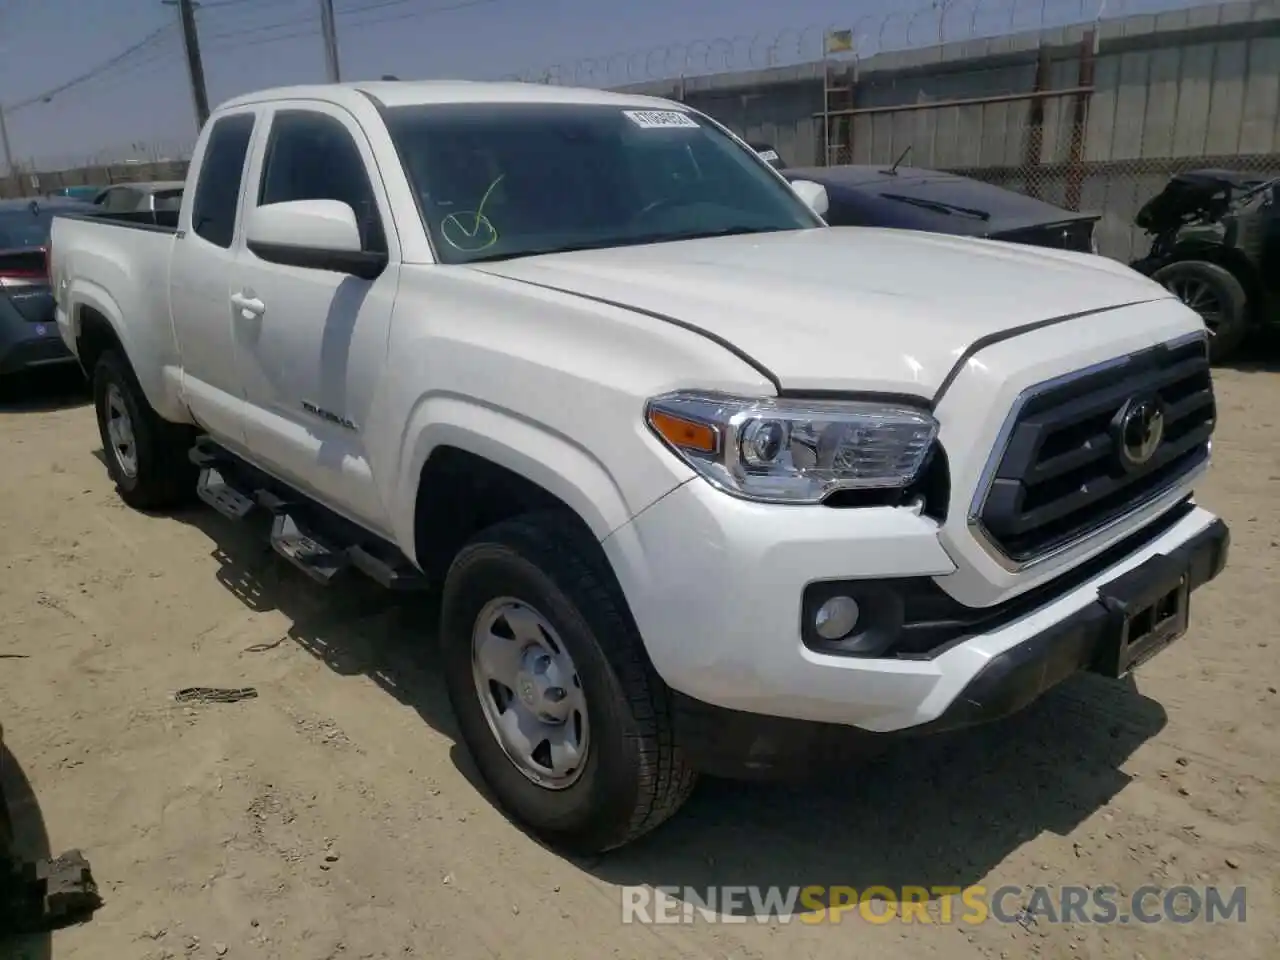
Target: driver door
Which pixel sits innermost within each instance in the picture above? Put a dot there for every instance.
(312, 343)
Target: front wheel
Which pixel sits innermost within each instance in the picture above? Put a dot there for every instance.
(1217, 295)
(566, 720)
(146, 455)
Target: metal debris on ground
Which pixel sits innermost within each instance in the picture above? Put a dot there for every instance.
(42, 895)
(264, 647)
(215, 694)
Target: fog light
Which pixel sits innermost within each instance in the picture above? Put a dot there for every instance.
(836, 618)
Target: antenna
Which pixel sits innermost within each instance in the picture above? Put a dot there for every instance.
(902, 156)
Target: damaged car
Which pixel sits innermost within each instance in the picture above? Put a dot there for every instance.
(1215, 243)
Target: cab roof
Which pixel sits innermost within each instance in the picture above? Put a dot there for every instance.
(406, 93)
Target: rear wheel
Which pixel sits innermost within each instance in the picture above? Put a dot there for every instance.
(147, 457)
(1217, 295)
(566, 720)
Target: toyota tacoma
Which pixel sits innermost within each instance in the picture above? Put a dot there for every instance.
(705, 485)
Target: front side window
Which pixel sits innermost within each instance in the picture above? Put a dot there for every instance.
(311, 156)
(495, 181)
(213, 209)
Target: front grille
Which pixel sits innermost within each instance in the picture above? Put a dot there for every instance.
(1061, 473)
(1077, 235)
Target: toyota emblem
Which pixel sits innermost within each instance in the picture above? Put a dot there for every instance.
(1137, 431)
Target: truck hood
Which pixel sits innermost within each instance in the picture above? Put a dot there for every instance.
(843, 308)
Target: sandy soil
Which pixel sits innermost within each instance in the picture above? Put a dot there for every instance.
(335, 817)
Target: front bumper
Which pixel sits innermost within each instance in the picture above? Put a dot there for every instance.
(715, 585)
(1087, 639)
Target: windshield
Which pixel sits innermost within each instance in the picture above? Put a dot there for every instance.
(495, 181)
(20, 228)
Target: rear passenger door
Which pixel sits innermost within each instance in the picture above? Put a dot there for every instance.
(312, 357)
(200, 279)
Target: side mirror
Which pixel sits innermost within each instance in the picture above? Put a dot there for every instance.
(315, 234)
(813, 194)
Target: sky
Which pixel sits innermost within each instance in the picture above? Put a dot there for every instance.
(141, 105)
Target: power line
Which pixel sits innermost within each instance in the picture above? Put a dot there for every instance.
(131, 58)
(150, 40)
(314, 29)
(219, 4)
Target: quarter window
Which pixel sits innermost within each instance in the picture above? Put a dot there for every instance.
(213, 210)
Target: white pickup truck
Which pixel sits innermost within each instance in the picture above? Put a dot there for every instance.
(705, 484)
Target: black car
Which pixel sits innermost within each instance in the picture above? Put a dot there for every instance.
(910, 198)
(28, 333)
(1216, 244)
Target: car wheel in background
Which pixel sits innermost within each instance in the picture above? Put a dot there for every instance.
(1217, 295)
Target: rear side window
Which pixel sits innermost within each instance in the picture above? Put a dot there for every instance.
(213, 210)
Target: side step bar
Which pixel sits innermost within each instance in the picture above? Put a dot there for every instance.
(229, 489)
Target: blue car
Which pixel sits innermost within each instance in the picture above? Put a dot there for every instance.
(86, 193)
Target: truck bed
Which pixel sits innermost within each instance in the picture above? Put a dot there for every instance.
(124, 259)
(165, 221)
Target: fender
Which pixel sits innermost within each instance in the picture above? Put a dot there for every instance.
(161, 390)
(551, 460)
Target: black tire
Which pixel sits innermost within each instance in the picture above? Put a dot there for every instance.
(635, 775)
(1217, 295)
(164, 477)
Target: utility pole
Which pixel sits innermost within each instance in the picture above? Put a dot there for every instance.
(329, 31)
(10, 170)
(195, 67)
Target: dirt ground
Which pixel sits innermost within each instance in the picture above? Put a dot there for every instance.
(335, 817)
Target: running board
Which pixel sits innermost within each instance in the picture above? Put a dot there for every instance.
(214, 490)
(317, 560)
(233, 489)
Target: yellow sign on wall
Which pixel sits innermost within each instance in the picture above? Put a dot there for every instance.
(839, 41)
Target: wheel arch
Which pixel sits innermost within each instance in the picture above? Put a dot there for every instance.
(460, 493)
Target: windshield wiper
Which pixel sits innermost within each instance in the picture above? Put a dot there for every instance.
(636, 241)
(938, 206)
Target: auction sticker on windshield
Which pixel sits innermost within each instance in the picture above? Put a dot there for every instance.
(657, 119)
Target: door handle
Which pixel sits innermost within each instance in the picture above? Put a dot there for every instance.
(249, 307)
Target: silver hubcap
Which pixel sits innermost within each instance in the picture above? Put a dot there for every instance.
(1199, 297)
(120, 433)
(530, 693)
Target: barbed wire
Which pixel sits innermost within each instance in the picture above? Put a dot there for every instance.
(933, 23)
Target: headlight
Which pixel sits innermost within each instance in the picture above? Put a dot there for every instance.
(793, 451)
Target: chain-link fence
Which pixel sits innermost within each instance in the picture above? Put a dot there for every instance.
(1116, 189)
